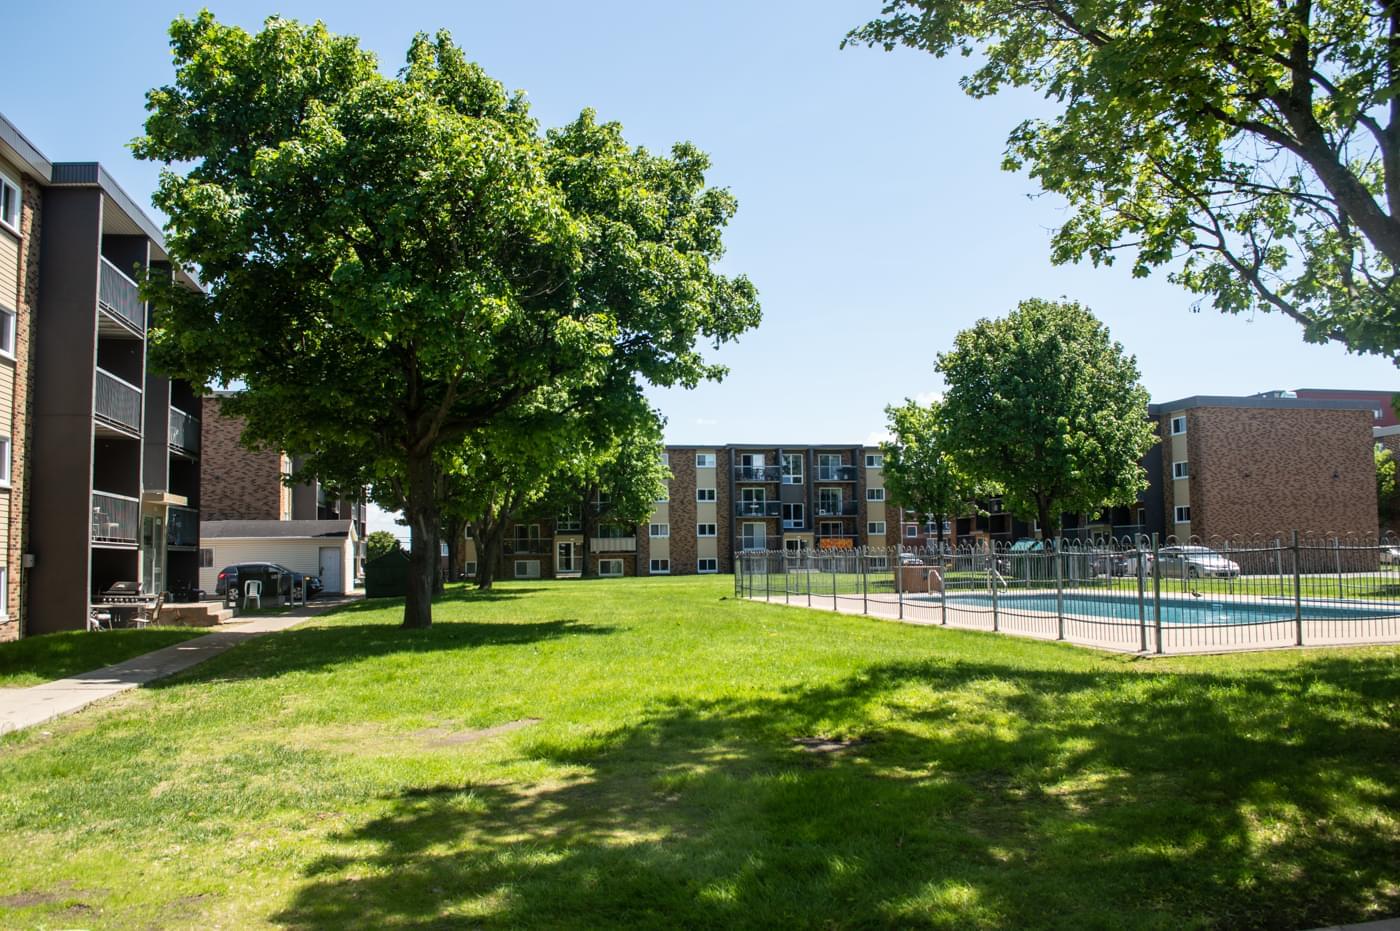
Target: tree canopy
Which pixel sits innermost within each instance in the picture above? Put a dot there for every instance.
(920, 470)
(1047, 406)
(395, 262)
(1252, 148)
(380, 543)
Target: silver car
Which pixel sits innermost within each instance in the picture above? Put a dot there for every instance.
(1196, 562)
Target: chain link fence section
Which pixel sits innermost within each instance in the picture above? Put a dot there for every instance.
(1132, 595)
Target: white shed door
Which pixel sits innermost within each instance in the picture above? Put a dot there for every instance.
(330, 570)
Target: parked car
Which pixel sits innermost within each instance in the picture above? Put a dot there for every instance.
(276, 579)
(910, 559)
(1110, 564)
(1196, 562)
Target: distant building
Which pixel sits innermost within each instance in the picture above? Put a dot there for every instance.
(1382, 403)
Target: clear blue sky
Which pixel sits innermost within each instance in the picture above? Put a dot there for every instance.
(873, 215)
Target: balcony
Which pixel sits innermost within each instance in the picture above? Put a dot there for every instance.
(758, 473)
(181, 527)
(119, 296)
(838, 509)
(117, 403)
(527, 546)
(837, 473)
(184, 432)
(116, 519)
(612, 544)
(757, 508)
(837, 541)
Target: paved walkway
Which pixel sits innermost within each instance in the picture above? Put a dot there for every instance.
(21, 708)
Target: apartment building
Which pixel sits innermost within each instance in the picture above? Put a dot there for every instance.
(100, 465)
(242, 484)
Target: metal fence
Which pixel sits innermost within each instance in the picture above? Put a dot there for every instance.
(1137, 595)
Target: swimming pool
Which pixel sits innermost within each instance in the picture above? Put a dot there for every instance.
(1176, 611)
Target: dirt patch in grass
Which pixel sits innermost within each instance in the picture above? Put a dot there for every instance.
(62, 892)
(441, 737)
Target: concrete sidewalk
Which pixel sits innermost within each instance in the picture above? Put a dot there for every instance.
(21, 708)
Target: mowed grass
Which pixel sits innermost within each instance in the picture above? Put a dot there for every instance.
(35, 660)
(346, 774)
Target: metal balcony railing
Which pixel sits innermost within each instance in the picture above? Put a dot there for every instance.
(117, 402)
(181, 527)
(119, 295)
(757, 508)
(115, 518)
(793, 523)
(758, 473)
(184, 431)
(838, 509)
(613, 544)
(838, 473)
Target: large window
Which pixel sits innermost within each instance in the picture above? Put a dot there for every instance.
(828, 467)
(1180, 469)
(828, 501)
(661, 567)
(1178, 426)
(707, 565)
(660, 530)
(568, 523)
(705, 530)
(609, 568)
(794, 516)
(704, 494)
(753, 536)
(704, 460)
(792, 468)
(10, 203)
(874, 494)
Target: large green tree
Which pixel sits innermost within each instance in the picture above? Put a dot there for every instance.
(394, 262)
(920, 470)
(1252, 147)
(1047, 406)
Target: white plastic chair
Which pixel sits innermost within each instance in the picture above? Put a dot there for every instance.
(99, 619)
(252, 593)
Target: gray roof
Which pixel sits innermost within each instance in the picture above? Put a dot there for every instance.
(273, 529)
(1313, 404)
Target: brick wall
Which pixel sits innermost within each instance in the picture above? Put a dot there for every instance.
(683, 540)
(236, 483)
(1265, 471)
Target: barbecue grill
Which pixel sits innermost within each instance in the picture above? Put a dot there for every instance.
(123, 593)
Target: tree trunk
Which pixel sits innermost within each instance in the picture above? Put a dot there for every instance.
(487, 534)
(453, 532)
(1049, 524)
(588, 522)
(422, 516)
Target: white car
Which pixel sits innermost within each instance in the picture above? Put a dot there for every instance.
(1196, 562)
(1390, 555)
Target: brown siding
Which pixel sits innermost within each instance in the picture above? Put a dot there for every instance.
(236, 482)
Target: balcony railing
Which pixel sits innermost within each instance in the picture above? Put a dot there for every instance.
(794, 523)
(184, 431)
(527, 546)
(837, 473)
(613, 544)
(117, 401)
(115, 518)
(839, 509)
(758, 473)
(757, 508)
(181, 527)
(749, 544)
(120, 295)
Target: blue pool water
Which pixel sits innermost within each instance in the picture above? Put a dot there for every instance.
(1176, 610)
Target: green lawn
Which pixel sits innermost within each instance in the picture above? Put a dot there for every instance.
(337, 775)
(55, 656)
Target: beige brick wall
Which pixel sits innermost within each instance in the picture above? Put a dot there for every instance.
(236, 483)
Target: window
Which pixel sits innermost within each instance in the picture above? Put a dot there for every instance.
(705, 530)
(704, 494)
(1178, 426)
(911, 530)
(794, 516)
(753, 536)
(874, 494)
(828, 468)
(665, 495)
(568, 523)
(609, 568)
(879, 562)
(613, 531)
(4, 462)
(527, 568)
(792, 468)
(7, 333)
(828, 501)
(9, 203)
(660, 530)
(661, 567)
(666, 459)
(704, 460)
(830, 528)
(874, 461)
(206, 558)
(753, 495)
(876, 528)
(1181, 470)
(1183, 514)
(470, 569)
(443, 547)
(707, 565)
(4, 592)
(752, 460)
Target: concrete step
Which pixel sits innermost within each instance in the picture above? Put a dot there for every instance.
(195, 614)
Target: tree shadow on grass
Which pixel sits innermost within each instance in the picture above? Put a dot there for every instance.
(455, 594)
(984, 797)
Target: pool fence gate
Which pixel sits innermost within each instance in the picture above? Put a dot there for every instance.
(1136, 595)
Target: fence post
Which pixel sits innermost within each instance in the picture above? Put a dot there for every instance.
(899, 577)
(1157, 593)
(1297, 590)
(787, 578)
(1278, 560)
(739, 580)
(943, 572)
(1059, 593)
(1142, 596)
(864, 581)
(1337, 550)
(835, 578)
(809, 576)
(992, 579)
(767, 576)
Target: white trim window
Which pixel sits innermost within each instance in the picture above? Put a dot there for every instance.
(874, 494)
(793, 468)
(704, 460)
(1180, 469)
(661, 567)
(911, 530)
(707, 566)
(874, 461)
(1183, 514)
(609, 568)
(794, 516)
(527, 568)
(469, 569)
(11, 203)
(4, 592)
(875, 528)
(656, 531)
(1178, 425)
(704, 494)
(7, 332)
(705, 530)
(5, 447)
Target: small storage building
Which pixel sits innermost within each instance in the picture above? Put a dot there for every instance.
(324, 548)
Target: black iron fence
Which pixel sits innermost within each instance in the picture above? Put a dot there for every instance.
(1139, 595)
